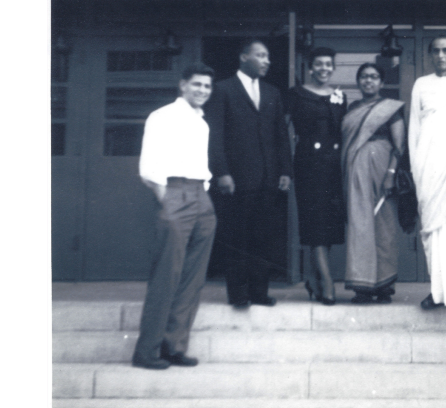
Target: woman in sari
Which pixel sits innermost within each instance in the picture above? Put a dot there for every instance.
(373, 140)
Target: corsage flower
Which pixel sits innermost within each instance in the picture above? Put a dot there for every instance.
(337, 97)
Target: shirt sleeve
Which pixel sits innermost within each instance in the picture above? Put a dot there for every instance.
(154, 151)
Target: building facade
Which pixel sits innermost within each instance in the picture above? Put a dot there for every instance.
(115, 61)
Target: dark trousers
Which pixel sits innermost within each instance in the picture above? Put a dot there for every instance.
(185, 233)
(245, 220)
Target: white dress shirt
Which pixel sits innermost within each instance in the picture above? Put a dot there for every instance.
(175, 144)
(252, 87)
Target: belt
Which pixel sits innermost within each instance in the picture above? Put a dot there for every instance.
(181, 181)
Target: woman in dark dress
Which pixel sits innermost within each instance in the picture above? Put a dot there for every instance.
(316, 112)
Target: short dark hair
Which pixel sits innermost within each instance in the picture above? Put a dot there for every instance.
(320, 52)
(197, 69)
(429, 48)
(378, 69)
(245, 45)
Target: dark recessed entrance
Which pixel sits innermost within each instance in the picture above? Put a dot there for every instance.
(221, 53)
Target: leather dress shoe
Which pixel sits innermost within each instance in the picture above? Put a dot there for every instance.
(429, 304)
(362, 299)
(180, 359)
(241, 304)
(154, 364)
(383, 299)
(269, 301)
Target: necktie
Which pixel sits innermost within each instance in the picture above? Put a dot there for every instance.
(255, 94)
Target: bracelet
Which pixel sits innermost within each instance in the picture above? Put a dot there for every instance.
(391, 171)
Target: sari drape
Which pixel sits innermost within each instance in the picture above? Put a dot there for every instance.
(372, 245)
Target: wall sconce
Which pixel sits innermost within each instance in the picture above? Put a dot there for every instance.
(59, 59)
(170, 45)
(61, 45)
(391, 48)
(304, 39)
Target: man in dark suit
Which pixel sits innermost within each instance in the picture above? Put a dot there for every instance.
(250, 159)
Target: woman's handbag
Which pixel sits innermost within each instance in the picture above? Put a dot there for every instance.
(406, 195)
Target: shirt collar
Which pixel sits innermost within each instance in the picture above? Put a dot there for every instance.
(246, 79)
(198, 111)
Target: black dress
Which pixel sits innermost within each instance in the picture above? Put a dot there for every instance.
(317, 165)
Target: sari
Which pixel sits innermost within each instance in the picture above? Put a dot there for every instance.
(372, 244)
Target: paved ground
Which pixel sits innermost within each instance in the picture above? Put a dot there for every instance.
(215, 292)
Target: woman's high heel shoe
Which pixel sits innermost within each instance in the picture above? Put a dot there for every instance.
(310, 291)
(328, 301)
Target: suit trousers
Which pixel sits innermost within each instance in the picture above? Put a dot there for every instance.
(185, 233)
(245, 226)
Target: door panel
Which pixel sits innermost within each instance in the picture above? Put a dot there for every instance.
(126, 85)
(65, 218)
(120, 221)
(70, 110)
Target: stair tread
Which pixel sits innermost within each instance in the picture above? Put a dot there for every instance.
(284, 316)
(278, 346)
(302, 381)
(215, 292)
(247, 403)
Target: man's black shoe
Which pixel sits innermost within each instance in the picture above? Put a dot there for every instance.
(383, 299)
(154, 364)
(269, 301)
(429, 304)
(362, 299)
(180, 359)
(241, 304)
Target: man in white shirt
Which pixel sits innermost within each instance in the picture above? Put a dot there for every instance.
(174, 164)
(427, 147)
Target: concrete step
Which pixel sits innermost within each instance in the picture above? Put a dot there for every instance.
(246, 403)
(219, 346)
(271, 381)
(288, 316)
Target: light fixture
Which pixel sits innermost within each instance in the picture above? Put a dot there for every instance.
(61, 45)
(391, 48)
(170, 45)
(304, 38)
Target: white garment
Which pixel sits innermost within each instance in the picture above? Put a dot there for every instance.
(252, 87)
(175, 144)
(427, 148)
(435, 248)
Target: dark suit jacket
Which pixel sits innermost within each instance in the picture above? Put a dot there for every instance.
(250, 145)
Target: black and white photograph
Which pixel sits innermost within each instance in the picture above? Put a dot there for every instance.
(247, 203)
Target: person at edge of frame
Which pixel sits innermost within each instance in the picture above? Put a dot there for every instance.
(427, 145)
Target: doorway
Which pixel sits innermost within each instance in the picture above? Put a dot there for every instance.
(222, 54)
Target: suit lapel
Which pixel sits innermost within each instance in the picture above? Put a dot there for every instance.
(263, 95)
(241, 89)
